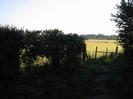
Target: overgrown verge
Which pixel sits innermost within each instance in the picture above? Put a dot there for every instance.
(44, 83)
(120, 77)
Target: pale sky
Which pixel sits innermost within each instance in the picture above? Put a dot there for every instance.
(70, 16)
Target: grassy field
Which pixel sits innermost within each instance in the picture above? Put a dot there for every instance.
(102, 45)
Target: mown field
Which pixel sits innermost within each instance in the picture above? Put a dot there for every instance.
(102, 45)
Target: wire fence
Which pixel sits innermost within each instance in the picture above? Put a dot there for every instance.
(97, 53)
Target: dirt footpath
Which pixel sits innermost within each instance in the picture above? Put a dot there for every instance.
(102, 90)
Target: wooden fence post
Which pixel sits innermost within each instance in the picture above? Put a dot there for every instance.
(96, 52)
(116, 51)
(106, 52)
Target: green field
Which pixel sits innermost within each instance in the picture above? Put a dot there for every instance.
(102, 46)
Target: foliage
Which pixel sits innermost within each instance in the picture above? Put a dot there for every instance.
(63, 51)
(62, 77)
(32, 46)
(124, 20)
(120, 77)
(66, 72)
(40, 82)
(11, 43)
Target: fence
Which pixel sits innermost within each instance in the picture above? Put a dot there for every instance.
(106, 53)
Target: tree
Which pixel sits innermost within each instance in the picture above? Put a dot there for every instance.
(123, 80)
(124, 20)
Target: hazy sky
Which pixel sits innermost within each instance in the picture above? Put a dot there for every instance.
(70, 16)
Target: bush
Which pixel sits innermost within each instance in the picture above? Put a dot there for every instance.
(11, 42)
(121, 79)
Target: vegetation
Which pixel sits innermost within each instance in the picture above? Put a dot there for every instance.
(66, 73)
(120, 77)
(124, 20)
(99, 37)
(11, 43)
(52, 65)
(62, 77)
(121, 69)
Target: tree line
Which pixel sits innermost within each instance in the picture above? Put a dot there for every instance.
(99, 37)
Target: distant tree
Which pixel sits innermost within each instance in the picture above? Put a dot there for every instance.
(99, 37)
(124, 20)
(11, 43)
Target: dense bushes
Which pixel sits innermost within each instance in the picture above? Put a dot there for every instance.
(45, 84)
(62, 77)
(65, 52)
(120, 77)
(11, 42)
